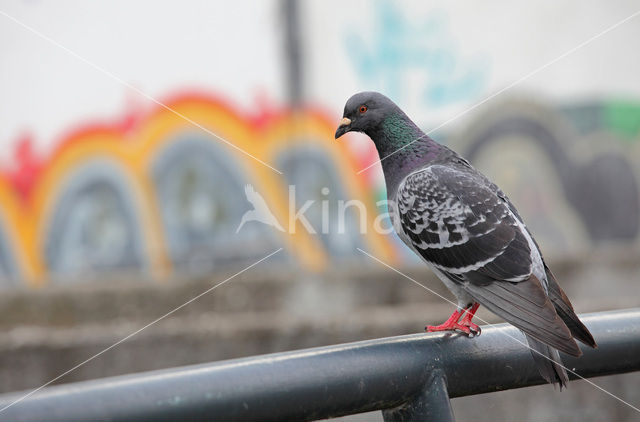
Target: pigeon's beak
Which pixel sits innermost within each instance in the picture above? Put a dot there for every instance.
(344, 127)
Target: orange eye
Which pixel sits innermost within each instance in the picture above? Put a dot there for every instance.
(363, 108)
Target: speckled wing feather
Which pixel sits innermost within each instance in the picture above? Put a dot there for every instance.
(463, 226)
(457, 222)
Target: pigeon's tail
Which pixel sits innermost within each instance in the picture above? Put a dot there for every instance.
(548, 361)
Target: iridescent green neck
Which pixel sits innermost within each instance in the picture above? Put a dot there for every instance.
(402, 148)
(397, 131)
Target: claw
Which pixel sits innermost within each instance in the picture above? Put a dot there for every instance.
(475, 329)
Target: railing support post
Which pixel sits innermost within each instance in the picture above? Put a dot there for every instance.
(431, 404)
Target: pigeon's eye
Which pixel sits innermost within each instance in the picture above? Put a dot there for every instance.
(363, 109)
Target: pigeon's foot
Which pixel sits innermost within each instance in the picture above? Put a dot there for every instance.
(466, 320)
(454, 323)
(448, 327)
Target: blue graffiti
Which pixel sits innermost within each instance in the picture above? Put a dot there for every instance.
(399, 50)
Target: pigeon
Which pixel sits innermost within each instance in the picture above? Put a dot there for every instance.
(469, 234)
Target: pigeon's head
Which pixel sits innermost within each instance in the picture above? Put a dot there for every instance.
(365, 112)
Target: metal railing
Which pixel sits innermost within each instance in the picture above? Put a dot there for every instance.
(407, 378)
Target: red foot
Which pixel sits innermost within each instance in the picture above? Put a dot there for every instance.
(466, 320)
(448, 327)
(465, 325)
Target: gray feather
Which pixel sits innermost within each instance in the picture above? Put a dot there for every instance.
(565, 311)
(548, 362)
(526, 306)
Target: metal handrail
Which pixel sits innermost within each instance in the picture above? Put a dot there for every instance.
(409, 378)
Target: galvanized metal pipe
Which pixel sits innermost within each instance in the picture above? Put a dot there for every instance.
(329, 381)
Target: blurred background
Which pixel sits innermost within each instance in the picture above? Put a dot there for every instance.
(120, 202)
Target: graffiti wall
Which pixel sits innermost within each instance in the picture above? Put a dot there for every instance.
(154, 195)
(159, 196)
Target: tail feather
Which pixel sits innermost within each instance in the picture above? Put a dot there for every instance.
(526, 306)
(566, 313)
(548, 362)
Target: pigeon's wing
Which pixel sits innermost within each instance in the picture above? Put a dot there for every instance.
(565, 311)
(458, 223)
(526, 306)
